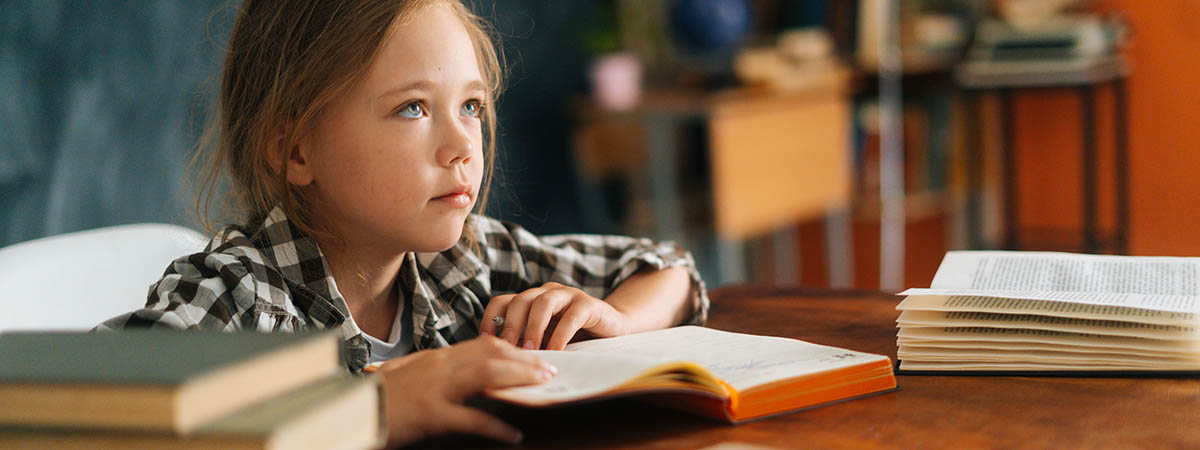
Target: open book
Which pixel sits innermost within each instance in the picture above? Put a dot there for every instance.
(724, 375)
(1042, 311)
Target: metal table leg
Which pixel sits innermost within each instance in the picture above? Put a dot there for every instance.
(974, 155)
(1088, 115)
(1008, 136)
(1120, 107)
(664, 178)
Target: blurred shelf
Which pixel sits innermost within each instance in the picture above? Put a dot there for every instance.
(917, 205)
(1041, 73)
(1063, 240)
(684, 102)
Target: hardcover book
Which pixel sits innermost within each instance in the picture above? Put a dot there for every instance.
(152, 379)
(341, 412)
(723, 375)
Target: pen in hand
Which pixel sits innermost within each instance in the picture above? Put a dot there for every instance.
(499, 322)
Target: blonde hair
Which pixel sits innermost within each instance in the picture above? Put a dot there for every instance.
(286, 60)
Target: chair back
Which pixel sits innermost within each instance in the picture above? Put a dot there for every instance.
(76, 280)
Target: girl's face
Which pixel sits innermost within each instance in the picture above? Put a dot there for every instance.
(396, 162)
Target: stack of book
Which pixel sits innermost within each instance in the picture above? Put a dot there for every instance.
(990, 311)
(167, 389)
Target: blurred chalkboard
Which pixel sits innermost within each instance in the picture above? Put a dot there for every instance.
(103, 100)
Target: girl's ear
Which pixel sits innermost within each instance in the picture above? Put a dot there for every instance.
(296, 159)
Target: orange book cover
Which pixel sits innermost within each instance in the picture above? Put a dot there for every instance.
(728, 376)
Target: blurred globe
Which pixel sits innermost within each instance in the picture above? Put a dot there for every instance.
(710, 26)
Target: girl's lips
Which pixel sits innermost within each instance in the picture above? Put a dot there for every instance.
(457, 200)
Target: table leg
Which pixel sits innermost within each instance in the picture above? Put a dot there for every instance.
(1087, 112)
(664, 178)
(1120, 105)
(787, 265)
(731, 261)
(838, 249)
(593, 202)
(1008, 150)
(974, 155)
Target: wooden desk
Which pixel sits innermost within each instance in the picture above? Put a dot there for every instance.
(1085, 78)
(927, 412)
(773, 160)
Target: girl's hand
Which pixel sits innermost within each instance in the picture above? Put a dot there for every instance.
(529, 315)
(424, 391)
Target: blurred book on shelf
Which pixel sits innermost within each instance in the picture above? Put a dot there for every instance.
(1062, 49)
(1058, 38)
(932, 34)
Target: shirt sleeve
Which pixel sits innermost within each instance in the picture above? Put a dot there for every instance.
(202, 291)
(596, 264)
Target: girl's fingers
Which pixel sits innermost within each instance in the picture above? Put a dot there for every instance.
(494, 347)
(461, 419)
(543, 309)
(571, 321)
(496, 373)
(517, 313)
(496, 307)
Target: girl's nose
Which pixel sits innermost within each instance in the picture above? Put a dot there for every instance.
(455, 147)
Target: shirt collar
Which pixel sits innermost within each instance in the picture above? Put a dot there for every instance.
(304, 268)
(423, 278)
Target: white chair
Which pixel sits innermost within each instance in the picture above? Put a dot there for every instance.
(74, 281)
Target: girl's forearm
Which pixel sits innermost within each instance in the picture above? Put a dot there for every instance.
(654, 299)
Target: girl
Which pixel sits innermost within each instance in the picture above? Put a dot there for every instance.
(353, 135)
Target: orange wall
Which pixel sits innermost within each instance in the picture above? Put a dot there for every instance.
(1164, 135)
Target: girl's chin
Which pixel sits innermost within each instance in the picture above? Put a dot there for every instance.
(437, 235)
(434, 248)
(434, 244)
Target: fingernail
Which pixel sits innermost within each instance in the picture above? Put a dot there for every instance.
(528, 345)
(547, 374)
(517, 438)
(551, 368)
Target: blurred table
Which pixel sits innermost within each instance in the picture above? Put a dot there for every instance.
(1084, 77)
(927, 411)
(771, 161)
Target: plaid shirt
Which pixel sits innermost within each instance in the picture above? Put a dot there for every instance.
(274, 278)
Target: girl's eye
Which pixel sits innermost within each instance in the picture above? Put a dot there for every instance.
(412, 110)
(472, 108)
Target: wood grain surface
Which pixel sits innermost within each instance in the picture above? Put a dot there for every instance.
(927, 411)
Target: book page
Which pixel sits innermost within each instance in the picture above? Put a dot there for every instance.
(1101, 327)
(1042, 357)
(1043, 307)
(741, 360)
(1035, 335)
(1018, 335)
(983, 346)
(1184, 304)
(1068, 272)
(1028, 366)
(580, 376)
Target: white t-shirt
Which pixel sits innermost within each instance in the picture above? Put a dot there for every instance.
(399, 343)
